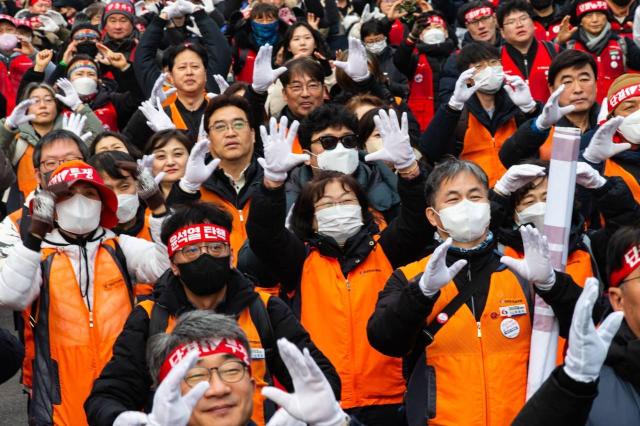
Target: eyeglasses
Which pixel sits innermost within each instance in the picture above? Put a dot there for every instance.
(85, 37)
(192, 252)
(45, 100)
(330, 142)
(627, 280)
(312, 86)
(349, 202)
(52, 164)
(221, 126)
(521, 20)
(229, 372)
(477, 22)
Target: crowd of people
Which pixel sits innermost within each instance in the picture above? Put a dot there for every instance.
(322, 212)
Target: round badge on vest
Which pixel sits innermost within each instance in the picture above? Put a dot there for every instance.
(614, 65)
(510, 328)
(442, 317)
(418, 78)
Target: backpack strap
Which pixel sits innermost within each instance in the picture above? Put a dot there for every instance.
(551, 48)
(121, 261)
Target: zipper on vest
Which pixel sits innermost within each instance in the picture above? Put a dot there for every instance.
(526, 70)
(90, 319)
(241, 215)
(348, 284)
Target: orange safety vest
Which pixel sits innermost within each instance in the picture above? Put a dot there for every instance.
(611, 168)
(480, 367)
(482, 148)
(25, 172)
(144, 289)
(73, 343)
(335, 311)
(176, 117)
(421, 93)
(537, 79)
(259, 370)
(240, 216)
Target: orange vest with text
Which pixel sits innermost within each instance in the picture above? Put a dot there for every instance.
(25, 173)
(481, 374)
(258, 361)
(73, 343)
(611, 168)
(335, 310)
(482, 148)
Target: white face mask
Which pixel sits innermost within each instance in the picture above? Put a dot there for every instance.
(85, 86)
(127, 207)
(533, 214)
(339, 222)
(8, 42)
(339, 159)
(433, 36)
(377, 47)
(466, 221)
(630, 128)
(79, 215)
(490, 79)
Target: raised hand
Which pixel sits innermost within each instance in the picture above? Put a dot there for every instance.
(462, 91)
(437, 274)
(197, 171)
(70, 98)
(536, 265)
(278, 158)
(601, 147)
(552, 111)
(19, 115)
(588, 177)
(157, 119)
(75, 124)
(42, 213)
(516, 177)
(146, 162)
(588, 346)
(263, 74)
(519, 93)
(396, 146)
(157, 92)
(356, 66)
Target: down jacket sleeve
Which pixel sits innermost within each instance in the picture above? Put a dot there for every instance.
(146, 260)
(20, 278)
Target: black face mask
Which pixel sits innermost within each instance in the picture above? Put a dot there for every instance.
(206, 275)
(541, 4)
(87, 48)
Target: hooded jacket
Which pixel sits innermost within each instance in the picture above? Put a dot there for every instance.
(125, 383)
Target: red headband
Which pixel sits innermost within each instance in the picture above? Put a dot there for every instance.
(435, 19)
(622, 95)
(592, 6)
(477, 12)
(32, 2)
(630, 262)
(205, 347)
(192, 234)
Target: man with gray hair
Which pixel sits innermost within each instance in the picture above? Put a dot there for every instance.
(214, 387)
(482, 316)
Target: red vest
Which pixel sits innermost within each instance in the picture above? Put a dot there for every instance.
(396, 33)
(108, 116)
(625, 29)
(246, 74)
(537, 78)
(10, 78)
(610, 65)
(421, 93)
(541, 33)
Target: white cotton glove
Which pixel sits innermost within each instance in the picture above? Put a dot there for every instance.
(49, 24)
(437, 274)
(19, 115)
(172, 10)
(282, 418)
(519, 93)
(356, 66)
(536, 265)
(146, 163)
(349, 20)
(396, 147)
(588, 177)
(588, 347)
(157, 119)
(71, 97)
(263, 74)
(186, 7)
(209, 5)
(157, 92)
(197, 172)
(604, 111)
(75, 123)
(170, 407)
(278, 158)
(516, 177)
(368, 14)
(221, 82)
(313, 401)
(462, 92)
(193, 28)
(552, 111)
(601, 147)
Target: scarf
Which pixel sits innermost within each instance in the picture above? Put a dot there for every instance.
(596, 43)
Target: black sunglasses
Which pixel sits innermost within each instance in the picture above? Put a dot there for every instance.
(330, 142)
